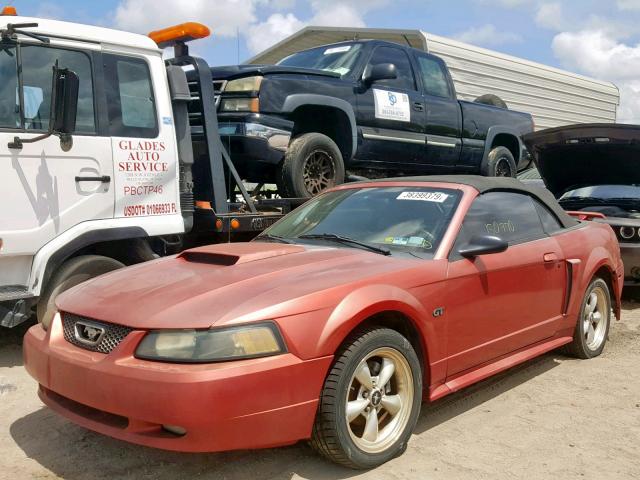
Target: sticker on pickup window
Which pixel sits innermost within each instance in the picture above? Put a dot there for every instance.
(392, 105)
(438, 197)
(344, 48)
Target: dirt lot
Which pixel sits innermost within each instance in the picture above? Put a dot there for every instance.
(553, 417)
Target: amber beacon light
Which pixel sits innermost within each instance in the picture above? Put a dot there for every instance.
(185, 32)
(9, 11)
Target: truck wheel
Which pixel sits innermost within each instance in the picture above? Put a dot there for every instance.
(500, 163)
(370, 401)
(72, 273)
(312, 164)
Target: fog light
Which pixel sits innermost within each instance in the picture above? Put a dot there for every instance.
(180, 431)
(627, 232)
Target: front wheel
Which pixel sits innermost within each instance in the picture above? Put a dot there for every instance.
(593, 323)
(370, 401)
(312, 164)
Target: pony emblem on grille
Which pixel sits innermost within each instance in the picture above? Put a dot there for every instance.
(89, 333)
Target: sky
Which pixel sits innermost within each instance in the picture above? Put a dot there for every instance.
(597, 38)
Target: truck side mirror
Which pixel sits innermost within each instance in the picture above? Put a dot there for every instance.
(64, 101)
(380, 71)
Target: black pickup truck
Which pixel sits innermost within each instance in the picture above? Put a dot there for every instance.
(362, 108)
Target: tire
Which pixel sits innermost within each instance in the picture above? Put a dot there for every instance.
(581, 347)
(72, 273)
(343, 441)
(491, 99)
(500, 163)
(312, 164)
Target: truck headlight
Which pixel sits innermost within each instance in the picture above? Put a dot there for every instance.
(213, 345)
(248, 104)
(246, 84)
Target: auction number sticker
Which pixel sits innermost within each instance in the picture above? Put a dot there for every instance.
(392, 105)
(438, 197)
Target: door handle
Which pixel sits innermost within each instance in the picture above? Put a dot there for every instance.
(418, 106)
(550, 257)
(102, 179)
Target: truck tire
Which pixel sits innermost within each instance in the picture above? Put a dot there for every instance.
(491, 99)
(312, 164)
(500, 163)
(72, 273)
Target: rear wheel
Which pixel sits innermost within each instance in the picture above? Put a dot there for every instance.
(370, 401)
(312, 164)
(592, 328)
(72, 273)
(500, 163)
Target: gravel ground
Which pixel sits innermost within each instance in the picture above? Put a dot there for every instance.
(554, 417)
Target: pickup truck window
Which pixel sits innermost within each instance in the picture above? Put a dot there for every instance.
(434, 78)
(9, 107)
(37, 64)
(333, 58)
(400, 59)
(132, 111)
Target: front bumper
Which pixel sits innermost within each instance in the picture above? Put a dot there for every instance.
(630, 253)
(225, 406)
(256, 143)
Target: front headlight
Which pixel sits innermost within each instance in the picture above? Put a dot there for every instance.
(246, 84)
(213, 345)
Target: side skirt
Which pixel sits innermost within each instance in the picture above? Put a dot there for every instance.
(490, 369)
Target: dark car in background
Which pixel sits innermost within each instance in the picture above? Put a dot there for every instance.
(595, 169)
(369, 108)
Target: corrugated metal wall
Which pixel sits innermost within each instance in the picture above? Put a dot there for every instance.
(554, 97)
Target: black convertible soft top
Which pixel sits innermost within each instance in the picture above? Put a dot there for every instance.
(490, 184)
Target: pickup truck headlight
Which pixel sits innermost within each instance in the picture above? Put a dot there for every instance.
(213, 345)
(246, 84)
(249, 104)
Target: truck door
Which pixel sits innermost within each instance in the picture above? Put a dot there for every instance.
(391, 115)
(444, 117)
(47, 189)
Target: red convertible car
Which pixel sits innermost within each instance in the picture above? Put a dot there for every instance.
(334, 324)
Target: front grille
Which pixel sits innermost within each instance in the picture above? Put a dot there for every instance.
(113, 334)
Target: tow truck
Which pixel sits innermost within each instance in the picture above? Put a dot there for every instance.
(110, 156)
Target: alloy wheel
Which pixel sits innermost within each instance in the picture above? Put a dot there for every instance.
(595, 318)
(503, 169)
(379, 400)
(319, 172)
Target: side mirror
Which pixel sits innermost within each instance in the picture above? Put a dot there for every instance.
(380, 71)
(64, 101)
(483, 245)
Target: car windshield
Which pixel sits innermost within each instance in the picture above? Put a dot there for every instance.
(332, 58)
(395, 219)
(603, 192)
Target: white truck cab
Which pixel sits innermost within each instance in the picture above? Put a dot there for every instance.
(86, 186)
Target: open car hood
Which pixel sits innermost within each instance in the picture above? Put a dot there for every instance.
(584, 155)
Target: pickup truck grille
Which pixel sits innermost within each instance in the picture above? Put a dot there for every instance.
(195, 107)
(109, 340)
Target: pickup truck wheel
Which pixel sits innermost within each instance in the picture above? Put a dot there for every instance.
(72, 273)
(312, 164)
(500, 163)
(370, 401)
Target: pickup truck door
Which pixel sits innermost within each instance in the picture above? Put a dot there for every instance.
(443, 113)
(391, 116)
(499, 303)
(47, 189)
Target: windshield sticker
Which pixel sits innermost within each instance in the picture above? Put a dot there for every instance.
(437, 197)
(392, 105)
(344, 48)
(409, 241)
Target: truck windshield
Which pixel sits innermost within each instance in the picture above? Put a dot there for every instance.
(400, 219)
(332, 58)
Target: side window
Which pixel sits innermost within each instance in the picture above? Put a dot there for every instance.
(132, 111)
(510, 216)
(549, 221)
(400, 59)
(10, 107)
(434, 77)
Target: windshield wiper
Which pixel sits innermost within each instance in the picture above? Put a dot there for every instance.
(341, 239)
(276, 238)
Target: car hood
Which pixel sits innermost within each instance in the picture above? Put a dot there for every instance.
(228, 283)
(586, 155)
(239, 71)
